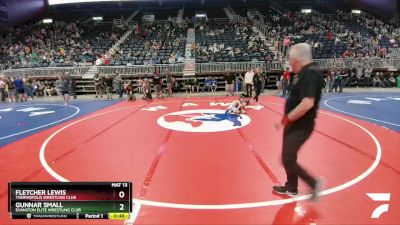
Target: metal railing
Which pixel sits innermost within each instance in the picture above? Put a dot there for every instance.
(203, 68)
(395, 52)
(376, 63)
(236, 18)
(394, 62)
(47, 71)
(141, 69)
(320, 14)
(104, 70)
(220, 20)
(206, 68)
(179, 21)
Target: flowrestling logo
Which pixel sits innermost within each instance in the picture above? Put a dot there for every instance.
(203, 120)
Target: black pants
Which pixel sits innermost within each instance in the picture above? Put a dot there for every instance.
(293, 139)
(120, 91)
(257, 93)
(337, 83)
(72, 91)
(249, 90)
(2, 94)
(343, 82)
(285, 87)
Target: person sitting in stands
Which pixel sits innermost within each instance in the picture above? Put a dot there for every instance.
(188, 85)
(377, 82)
(38, 88)
(214, 85)
(195, 84)
(392, 81)
(207, 84)
(48, 88)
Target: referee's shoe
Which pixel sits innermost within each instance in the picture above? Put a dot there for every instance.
(294, 193)
(284, 191)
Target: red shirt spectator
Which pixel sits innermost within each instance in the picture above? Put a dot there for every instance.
(346, 54)
(383, 52)
(329, 35)
(106, 60)
(286, 41)
(330, 73)
(286, 75)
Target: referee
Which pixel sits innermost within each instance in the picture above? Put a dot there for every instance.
(300, 111)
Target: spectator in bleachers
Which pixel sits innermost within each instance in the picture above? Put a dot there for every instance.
(268, 58)
(214, 84)
(207, 84)
(329, 35)
(337, 40)
(37, 88)
(377, 81)
(359, 73)
(48, 88)
(383, 52)
(277, 57)
(392, 81)
(375, 44)
(195, 84)
(286, 44)
(392, 41)
(172, 59)
(367, 77)
(99, 61)
(188, 85)
(178, 85)
(64, 44)
(385, 80)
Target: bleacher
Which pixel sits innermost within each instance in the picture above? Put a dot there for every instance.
(140, 55)
(230, 40)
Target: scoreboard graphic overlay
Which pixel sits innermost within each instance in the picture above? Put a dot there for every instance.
(75, 200)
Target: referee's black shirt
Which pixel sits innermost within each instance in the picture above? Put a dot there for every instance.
(307, 84)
